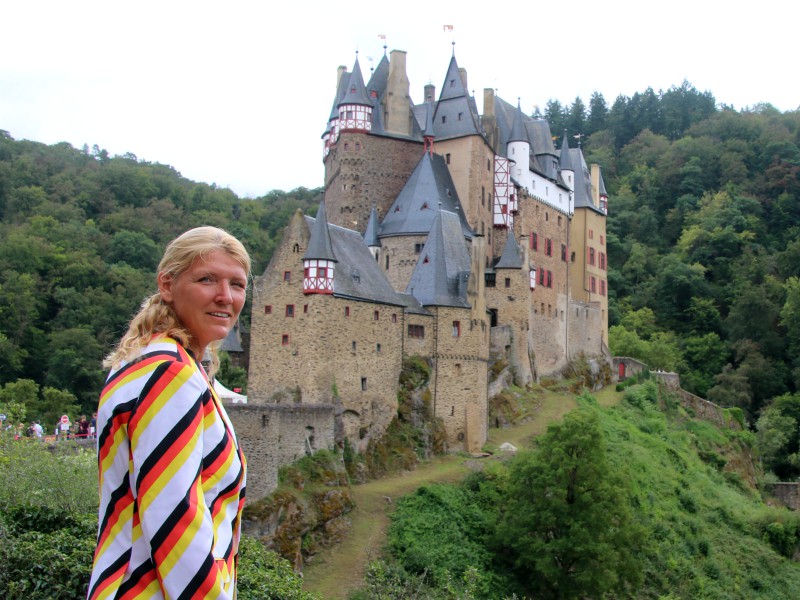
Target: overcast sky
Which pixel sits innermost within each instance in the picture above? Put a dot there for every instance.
(238, 93)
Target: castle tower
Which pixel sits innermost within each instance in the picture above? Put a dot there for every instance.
(519, 151)
(319, 261)
(565, 164)
(355, 107)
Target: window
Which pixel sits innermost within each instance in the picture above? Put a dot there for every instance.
(534, 241)
(418, 247)
(416, 331)
(564, 252)
(296, 248)
(322, 272)
(508, 282)
(268, 309)
(363, 384)
(376, 315)
(378, 348)
(353, 345)
(287, 276)
(602, 287)
(488, 164)
(591, 256)
(447, 158)
(456, 328)
(546, 216)
(444, 118)
(387, 262)
(548, 247)
(490, 279)
(305, 309)
(603, 260)
(593, 284)
(559, 220)
(602, 241)
(346, 311)
(591, 234)
(285, 339)
(394, 317)
(549, 279)
(460, 116)
(290, 310)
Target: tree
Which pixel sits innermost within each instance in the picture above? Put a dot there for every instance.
(571, 533)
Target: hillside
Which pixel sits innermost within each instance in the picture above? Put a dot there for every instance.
(697, 529)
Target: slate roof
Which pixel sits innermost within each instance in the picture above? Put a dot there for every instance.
(429, 188)
(371, 233)
(232, 342)
(565, 162)
(536, 133)
(456, 112)
(442, 272)
(355, 92)
(319, 246)
(583, 183)
(356, 274)
(512, 256)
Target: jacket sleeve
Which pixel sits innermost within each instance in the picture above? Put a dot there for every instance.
(166, 435)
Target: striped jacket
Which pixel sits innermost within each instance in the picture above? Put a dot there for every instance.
(172, 483)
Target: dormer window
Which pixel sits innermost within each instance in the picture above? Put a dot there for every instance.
(452, 83)
(444, 118)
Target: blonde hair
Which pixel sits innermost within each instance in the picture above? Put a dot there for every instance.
(156, 317)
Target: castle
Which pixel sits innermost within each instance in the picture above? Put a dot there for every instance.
(443, 233)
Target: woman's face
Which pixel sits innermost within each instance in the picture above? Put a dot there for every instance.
(207, 297)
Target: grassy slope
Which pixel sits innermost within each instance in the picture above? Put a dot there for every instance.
(706, 529)
(338, 571)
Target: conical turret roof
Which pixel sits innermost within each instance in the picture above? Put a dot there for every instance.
(518, 133)
(319, 246)
(565, 162)
(356, 91)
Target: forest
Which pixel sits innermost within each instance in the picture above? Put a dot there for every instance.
(703, 238)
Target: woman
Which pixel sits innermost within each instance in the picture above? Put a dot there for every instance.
(172, 477)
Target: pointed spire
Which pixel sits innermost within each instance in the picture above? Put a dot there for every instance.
(565, 162)
(356, 91)
(518, 133)
(453, 84)
(319, 246)
(371, 233)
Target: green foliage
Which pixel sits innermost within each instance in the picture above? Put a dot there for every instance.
(81, 233)
(427, 540)
(263, 575)
(34, 476)
(571, 532)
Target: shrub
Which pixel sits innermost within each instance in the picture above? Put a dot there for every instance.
(263, 575)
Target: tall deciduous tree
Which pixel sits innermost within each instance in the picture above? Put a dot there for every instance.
(570, 531)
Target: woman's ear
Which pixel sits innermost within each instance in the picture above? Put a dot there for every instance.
(165, 281)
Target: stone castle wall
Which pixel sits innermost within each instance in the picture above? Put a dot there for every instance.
(460, 380)
(274, 435)
(362, 170)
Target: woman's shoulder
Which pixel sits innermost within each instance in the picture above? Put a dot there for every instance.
(160, 356)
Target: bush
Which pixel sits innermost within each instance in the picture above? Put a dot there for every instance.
(263, 575)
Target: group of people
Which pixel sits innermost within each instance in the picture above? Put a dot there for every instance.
(172, 474)
(82, 428)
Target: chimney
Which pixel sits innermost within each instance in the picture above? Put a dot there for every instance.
(339, 72)
(489, 120)
(430, 93)
(397, 96)
(463, 72)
